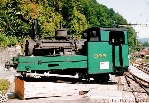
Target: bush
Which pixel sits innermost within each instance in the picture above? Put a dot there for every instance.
(7, 40)
(12, 41)
(147, 60)
(3, 40)
(4, 86)
(147, 57)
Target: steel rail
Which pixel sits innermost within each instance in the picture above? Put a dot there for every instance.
(137, 80)
(128, 83)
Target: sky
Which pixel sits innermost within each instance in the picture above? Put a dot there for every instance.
(134, 11)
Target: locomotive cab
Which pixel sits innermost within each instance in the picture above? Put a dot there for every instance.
(107, 50)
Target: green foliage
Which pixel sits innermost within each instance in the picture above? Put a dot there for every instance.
(76, 15)
(3, 40)
(132, 41)
(7, 40)
(147, 57)
(146, 60)
(12, 41)
(4, 86)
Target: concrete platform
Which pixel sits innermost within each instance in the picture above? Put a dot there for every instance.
(25, 90)
(111, 96)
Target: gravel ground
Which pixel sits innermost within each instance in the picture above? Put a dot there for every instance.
(51, 101)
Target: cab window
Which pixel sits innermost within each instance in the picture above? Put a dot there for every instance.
(116, 37)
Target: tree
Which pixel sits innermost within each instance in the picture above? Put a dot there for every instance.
(146, 44)
(76, 15)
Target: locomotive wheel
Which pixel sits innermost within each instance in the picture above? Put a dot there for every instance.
(29, 46)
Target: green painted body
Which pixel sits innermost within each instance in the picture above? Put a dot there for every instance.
(28, 63)
(101, 57)
(98, 54)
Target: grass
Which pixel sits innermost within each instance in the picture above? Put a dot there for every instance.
(4, 86)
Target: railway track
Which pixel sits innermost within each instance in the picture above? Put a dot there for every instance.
(138, 87)
(137, 82)
(141, 66)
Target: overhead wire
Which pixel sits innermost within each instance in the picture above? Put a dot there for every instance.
(142, 14)
(143, 27)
